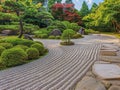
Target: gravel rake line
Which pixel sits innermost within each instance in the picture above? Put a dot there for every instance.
(59, 70)
(78, 67)
(56, 76)
(68, 85)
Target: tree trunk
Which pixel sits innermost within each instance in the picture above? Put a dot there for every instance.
(21, 29)
(20, 24)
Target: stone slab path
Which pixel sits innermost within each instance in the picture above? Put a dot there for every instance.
(106, 71)
(61, 69)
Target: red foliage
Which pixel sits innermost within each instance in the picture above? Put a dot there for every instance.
(60, 5)
(65, 12)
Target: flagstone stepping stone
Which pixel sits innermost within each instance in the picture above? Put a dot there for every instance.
(112, 46)
(89, 83)
(102, 62)
(104, 48)
(106, 71)
(114, 87)
(114, 59)
(108, 52)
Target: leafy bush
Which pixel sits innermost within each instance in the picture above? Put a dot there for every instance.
(13, 57)
(44, 36)
(56, 25)
(33, 53)
(14, 23)
(22, 47)
(2, 66)
(39, 47)
(50, 28)
(73, 26)
(41, 33)
(6, 45)
(1, 49)
(17, 41)
(75, 36)
(51, 37)
(28, 28)
(90, 31)
(9, 27)
(58, 37)
(39, 42)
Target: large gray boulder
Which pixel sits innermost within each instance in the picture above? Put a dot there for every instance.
(26, 36)
(9, 32)
(56, 32)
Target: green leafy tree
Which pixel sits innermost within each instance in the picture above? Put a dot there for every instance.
(20, 7)
(42, 18)
(84, 10)
(67, 35)
(16, 7)
(106, 17)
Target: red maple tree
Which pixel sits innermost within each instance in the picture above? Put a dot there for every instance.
(66, 12)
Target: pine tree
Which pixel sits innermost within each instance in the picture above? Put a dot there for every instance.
(84, 10)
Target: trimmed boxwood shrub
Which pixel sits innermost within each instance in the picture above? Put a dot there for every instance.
(39, 42)
(13, 57)
(51, 37)
(44, 36)
(17, 41)
(6, 45)
(1, 49)
(22, 47)
(75, 36)
(33, 53)
(39, 47)
(58, 37)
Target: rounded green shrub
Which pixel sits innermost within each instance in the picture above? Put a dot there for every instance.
(39, 47)
(22, 47)
(51, 37)
(39, 42)
(6, 45)
(75, 36)
(58, 37)
(44, 36)
(17, 41)
(1, 49)
(33, 53)
(13, 57)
